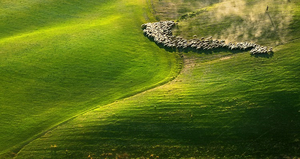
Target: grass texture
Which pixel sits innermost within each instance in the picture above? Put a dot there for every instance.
(59, 59)
(222, 105)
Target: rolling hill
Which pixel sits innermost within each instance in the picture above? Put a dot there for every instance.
(62, 58)
(223, 104)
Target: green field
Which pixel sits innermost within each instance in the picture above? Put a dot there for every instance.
(60, 59)
(76, 79)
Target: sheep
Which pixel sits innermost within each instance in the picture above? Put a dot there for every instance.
(162, 34)
(198, 47)
(270, 50)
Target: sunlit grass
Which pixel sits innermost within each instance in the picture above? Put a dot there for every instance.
(223, 104)
(55, 72)
(235, 106)
(236, 21)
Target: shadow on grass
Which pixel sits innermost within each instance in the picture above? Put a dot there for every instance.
(212, 51)
(263, 55)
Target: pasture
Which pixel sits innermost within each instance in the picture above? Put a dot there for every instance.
(60, 59)
(78, 86)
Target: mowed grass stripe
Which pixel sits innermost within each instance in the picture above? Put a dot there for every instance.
(54, 73)
(213, 109)
(18, 17)
(222, 105)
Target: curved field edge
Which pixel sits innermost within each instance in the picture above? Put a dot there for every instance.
(52, 74)
(252, 112)
(222, 105)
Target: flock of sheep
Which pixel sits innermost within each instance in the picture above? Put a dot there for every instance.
(161, 33)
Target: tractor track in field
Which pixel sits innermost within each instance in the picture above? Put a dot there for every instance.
(188, 63)
(181, 69)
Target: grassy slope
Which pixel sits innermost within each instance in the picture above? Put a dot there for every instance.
(59, 59)
(237, 21)
(221, 105)
(252, 111)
